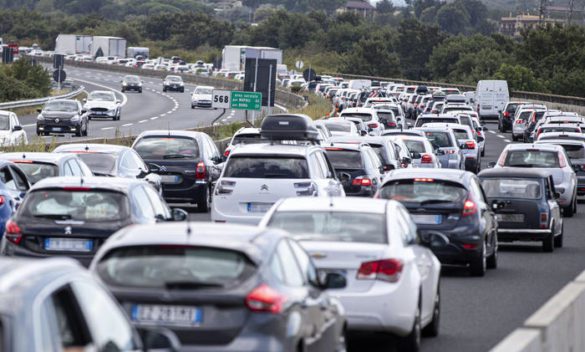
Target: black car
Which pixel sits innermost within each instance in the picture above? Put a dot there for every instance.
(506, 117)
(173, 83)
(38, 166)
(358, 168)
(451, 202)
(528, 136)
(131, 82)
(74, 216)
(525, 205)
(112, 161)
(62, 116)
(223, 287)
(188, 163)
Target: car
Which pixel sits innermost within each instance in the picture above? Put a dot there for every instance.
(455, 107)
(524, 201)
(561, 136)
(421, 151)
(112, 161)
(357, 166)
(341, 127)
(389, 120)
(410, 132)
(173, 83)
(360, 125)
(551, 158)
(554, 127)
(188, 163)
(13, 188)
(428, 118)
(222, 287)
(62, 116)
(446, 145)
(506, 116)
(368, 116)
(324, 132)
(38, 166)
(201, 97)
(74, 216)
(12, 133)
(131, 82)
(376, 244)
(576, 152)
(522, 118)
(529, 130)
(385, 148)
(467, 143)
(480, 134)
(245, 135)
(256, 176)
(452, 202)
(62, 307)
(102, 103)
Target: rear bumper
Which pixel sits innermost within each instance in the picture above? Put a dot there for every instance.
(65, 126)
(523, 234)
(507, 123)
(454, 253)
(181, 195)
(242, 218)
(10, 250)
(471, 163)
(201, 104)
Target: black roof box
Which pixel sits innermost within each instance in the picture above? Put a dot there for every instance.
(289, 127)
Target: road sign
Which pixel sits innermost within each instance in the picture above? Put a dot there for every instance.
(299, 64)
(246, 100)
(221, 99)
(309, 74)
(59, 76)
(58, 61)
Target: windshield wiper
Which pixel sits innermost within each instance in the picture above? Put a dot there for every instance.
(190, 284)
(174, 156)
(54, 216)
(435, 201)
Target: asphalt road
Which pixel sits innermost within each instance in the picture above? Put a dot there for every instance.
(479, 312)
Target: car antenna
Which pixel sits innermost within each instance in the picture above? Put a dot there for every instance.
(24, 155)
(86, 147)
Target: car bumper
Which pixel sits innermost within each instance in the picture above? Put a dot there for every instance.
(507, 123)
(106, 114)
(369, 192)
(201, 104)
(176, 89)
(242, 218)
(181, 195)
(10, 250)
(518, 131)
(454, 253)
(62, 127)
(135, 88)
(471, 163)
(506, 235)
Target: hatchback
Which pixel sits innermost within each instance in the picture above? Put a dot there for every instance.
(506, 116)
(421, 151)
(576, 152)
(38, 166)
(447, 147)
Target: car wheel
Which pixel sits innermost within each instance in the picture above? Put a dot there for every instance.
(514, 138)
(123, 90)
(569, 211)
(432, 330)
(204, 202)
(483, 152)
(500, 127)
(140, 91)
(492, 260)
(548, 243)
(478, 265)
(164, 89)
(559, 238)
(342, 342)
(411, 342)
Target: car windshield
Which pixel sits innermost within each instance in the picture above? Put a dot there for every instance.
(524, 115)
(386, 116)
(415, 146)
(560, 129)
(439, 139)
(66, 106)
(132, 79)
(532, 158)
(424, 190)
(338, 127)
(332, 226)
(252, 138)
(4, 122)
(100, 96)
(203, 91)
(100, 164)
(522, 188)
(345, 159)
(174, 79)
(174, 267)
(38, 171)
(90, 205)
(266, 167)
(160, 148)
(364, 117)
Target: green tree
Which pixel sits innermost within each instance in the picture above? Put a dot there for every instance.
(414, 44)
(520, 78)
(453, 18)
(385, 6)
(374, 57)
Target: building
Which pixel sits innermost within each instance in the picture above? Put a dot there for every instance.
(362, 8)
(514, 25)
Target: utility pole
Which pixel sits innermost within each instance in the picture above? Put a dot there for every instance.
(571, 9)
(542, 11)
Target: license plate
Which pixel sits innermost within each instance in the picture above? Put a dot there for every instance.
(510, 217)
(486, 107)
(259, 207)
(175, 315)
(170, 179)
(425, 219)
(57, 129)
(68, 244)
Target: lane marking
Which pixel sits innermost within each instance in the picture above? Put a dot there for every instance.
(500, 136)
(142, 121)
(507, 140)
(124, 97)
(492, 132)
(107, 128)
(127, 124)
(163, 115)
(154, 118)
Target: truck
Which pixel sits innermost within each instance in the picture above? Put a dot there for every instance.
(491, 97)
(135, 51)
(108, 46)
(71, 44)
(360, 84)
(234, 56)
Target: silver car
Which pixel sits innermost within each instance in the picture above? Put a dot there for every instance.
(446, 145)
(421, 151)
(549, 157)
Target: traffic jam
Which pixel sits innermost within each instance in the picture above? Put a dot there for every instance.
(320, 230)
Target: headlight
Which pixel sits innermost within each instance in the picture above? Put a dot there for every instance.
(40, 117)
(124, 84)
(76, 118)
(180, 83)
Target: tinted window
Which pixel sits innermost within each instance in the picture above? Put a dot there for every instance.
(99, 164)
(345, 159)
(4, 122)
(38, 171)
(387, 116)
(174, 266)
(167, 148)
(332, 226)
(461, 134)
(247, 139)
(266, 167)
(415, 146)
(512, 188)
(338, 127)
(532, 158)
(379, 150)
(524, 115)
(67, 106)
(574, 151)
(424, 190)
(439, 139)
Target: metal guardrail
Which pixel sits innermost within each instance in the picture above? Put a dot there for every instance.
(40, 101)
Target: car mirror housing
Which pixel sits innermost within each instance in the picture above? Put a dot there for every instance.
(17, 128)
(334, 281)
(179, 214)
(557, 195)
(492, 164)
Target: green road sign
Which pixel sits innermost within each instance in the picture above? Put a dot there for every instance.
(246, 100)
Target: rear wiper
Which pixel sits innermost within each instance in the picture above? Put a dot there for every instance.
(521, 165)
(174, 156)
(275, 176)
(435, 201)
(54, 216)
(190, 284)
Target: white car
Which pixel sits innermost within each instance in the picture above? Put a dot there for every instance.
(243, 136)
(201, 97)
(11, 131)
(368, 116)
(341, 127)
(102, 104)
(392, 280)
(421, 151)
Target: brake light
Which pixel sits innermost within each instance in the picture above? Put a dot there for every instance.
(391, 124)
(2, 200)
(544, 220)
(424, 180)
(502, 158)
(13, 232)
(469, 246)
(479, 133)
(265, 299)
(470, 144)
(361, 181)
(200, 171)
(386, 270)
(449, 151)
(373, 125)
(227, 153)
(507, 114)
(469, 208)
(426, 159)
(519, 122)
(562, 161)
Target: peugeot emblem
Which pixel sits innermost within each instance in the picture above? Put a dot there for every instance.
(57, 120)
(68, 230)
(264, 188)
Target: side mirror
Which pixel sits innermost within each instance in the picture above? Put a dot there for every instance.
(83, 111)
(159, 339)
(388, 167)
(415, 155)
(480, 139)
(363, 133)
(409, 125)
(406, 160)
(179, 214)
(492, 164)
(433, 240)
(17, 128)
(462, 146)
(334, 281)
(439, 152)
(557, 195)
(217, 159)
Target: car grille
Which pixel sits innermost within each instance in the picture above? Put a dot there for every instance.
(99, 109)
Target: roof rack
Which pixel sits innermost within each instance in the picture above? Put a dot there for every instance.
(290, 127)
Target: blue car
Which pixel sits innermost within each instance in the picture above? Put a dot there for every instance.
(13, 187)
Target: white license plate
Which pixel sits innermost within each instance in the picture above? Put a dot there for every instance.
(425, 219)
(68, 244)
(259, 207)
(486, 107)
(57, 129)
(169, 179)
(175, 315)
(510, 217)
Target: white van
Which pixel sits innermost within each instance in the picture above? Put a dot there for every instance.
(491, 97)
(360, 84)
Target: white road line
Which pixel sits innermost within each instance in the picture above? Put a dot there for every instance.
(500, 136)
(154, 118)
(163, 115)
(107, 128)
(492, 132)
(124, 97)
(142, 121)
(507, 140)
(169, 112)
(127, 124)
(29, 125)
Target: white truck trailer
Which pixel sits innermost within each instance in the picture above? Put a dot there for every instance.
(108, 46)
(234, 56)
(71, 44)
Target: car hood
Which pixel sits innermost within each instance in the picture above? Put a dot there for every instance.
(100, 104)
(60, 114)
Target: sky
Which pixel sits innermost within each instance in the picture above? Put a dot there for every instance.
(396, 2)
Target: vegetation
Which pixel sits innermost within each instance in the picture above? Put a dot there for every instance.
(23, 80)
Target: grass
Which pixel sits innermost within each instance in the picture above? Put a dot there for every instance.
(318, 107)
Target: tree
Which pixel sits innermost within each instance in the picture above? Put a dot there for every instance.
(453, 18)
(415, 43)
(385, 6)
(374, 57)
(519, 78)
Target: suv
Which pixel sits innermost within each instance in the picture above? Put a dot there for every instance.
(62, 116)
(245, 135)
(173, 83)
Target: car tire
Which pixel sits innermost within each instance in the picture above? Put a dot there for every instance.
(123, 90)
(204, 203)
(140, 91)
(514, 138)
(164, 89)
(500, 126)
(492, 260)
(411, 342)
(559, 238)
(432, 330)
(483, 152)
(548, 244)
(569, 211)
(478, 265)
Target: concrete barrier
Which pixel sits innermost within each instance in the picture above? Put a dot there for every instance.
(520, 340)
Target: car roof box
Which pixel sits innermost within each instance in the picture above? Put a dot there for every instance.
(289, 127)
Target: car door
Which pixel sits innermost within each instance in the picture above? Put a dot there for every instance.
(213, 159)
(129, 167)
(15, 182)
(334, 187)
(161, 210)
(555, 209)
(142, 209)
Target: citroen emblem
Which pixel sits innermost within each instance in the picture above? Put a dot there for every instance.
(68, 230)
(163, 168)
(264, 188)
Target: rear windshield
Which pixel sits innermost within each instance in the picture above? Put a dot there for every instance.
(439, 139)
(167, 148)
(38, 171)
(387, 116)
(338, 127)
(93, 205)
(424, 190)
(532, 158)
(574, 151)
(461, 134)
(266, 167)
(345, 159)
(99, 164)
(422, 121)
(512, 108)
(363, 117)
(560, 129)
(522, 188)
(379, 149)
(524, 115)
(175, 267)
(333, 226)
(415, 146)
(247, 139)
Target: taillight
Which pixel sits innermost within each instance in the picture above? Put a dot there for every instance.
(2, 200)
(391, 124)
(562, 161)
(544, 220)
(426, 159)
(373, 125)
(519, 122)
(13, 232)
(361, 181)
(265, 299)
(201, 171)
(507, 114)
(469, 208)
(449, 151)
(502, 158)
(470, 144)
(226, 153)
(386, 270)
(479, 133)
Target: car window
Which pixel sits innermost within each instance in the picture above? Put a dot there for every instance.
(532, 158)
(316, 167)
(129, 163)
(420, 190)
(439, 139)
(521, 188)
(325, 164)
(305, 263)
(20, 178)
(345, 159)
(7, 179)
(266, 167)
(167, 147)
(292, 273)
(213, 152)
(100, 164)
(374, 158)
(160, 209)
(76, 171)
(67, 170)
(475, 188)
(142, 208)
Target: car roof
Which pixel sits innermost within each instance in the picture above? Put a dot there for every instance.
(567, 135)
(514, 172)
(119, 184)
(440, 174)
(170, 133)
(270, 149)
(40, 157)
(446, 125)
(560, 141)
(90, 148)
(358, 110)
(556, 125)
(248, 130)
(5, 112)
(526, 146)
(346, 204)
